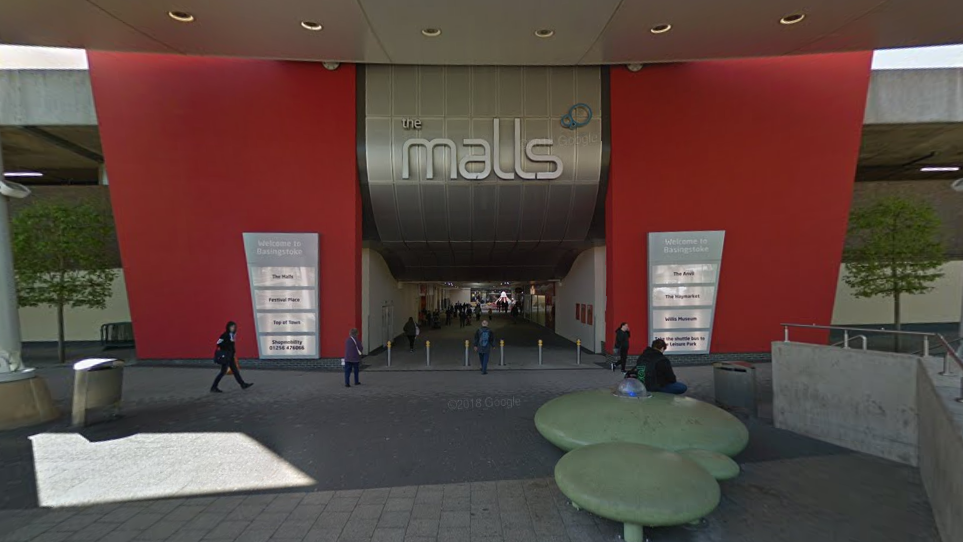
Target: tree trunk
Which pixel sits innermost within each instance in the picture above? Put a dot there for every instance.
(61, 347)
(897, 320)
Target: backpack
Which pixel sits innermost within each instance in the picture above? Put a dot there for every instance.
(483, 341)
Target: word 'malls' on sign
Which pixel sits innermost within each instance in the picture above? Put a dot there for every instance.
(485, 158)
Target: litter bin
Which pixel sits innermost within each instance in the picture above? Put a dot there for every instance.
(98, 384)
(735, 385)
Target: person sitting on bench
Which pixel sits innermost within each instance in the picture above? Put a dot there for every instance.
(655, 370)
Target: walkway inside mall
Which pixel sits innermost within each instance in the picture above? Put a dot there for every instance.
(521, 348)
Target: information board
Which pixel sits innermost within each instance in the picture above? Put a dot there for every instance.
(283, 272)
(684, 272)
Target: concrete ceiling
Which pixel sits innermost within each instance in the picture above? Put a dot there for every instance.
(64, 154)
(892, 152)
(493, 32)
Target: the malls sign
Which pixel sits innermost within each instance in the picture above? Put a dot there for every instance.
(486, 158)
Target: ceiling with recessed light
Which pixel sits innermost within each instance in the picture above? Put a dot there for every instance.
(494, 32)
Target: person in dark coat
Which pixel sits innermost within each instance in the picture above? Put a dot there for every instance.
(655, 370)
(484, 341)
(411, 331)
(622, 344)
(226, 344)
(352, 358)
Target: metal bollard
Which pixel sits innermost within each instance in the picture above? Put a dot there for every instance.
(946, 365)
(846, 339)
(539, 351)
(467, 363)
(428, 353)
(578, 352)
(501, 345)
(926, 346)
(389, 353)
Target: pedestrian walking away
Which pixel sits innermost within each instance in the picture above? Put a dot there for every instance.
(411, 331)
(352, 358)
(484, 339)
(225, 355)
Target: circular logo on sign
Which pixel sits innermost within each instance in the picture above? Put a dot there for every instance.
(578, 115)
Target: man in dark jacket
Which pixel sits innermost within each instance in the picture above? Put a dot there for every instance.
(622, 335)
(484, 341)
(411, 331)
(655, 370)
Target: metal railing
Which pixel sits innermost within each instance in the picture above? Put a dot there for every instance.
(950, 343)
(847, 339)
(941, 342)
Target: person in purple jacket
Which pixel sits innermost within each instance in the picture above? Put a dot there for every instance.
(352, 358)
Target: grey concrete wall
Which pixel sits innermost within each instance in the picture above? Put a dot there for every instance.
(941, 447)
(862, 400)
(914, 96)
(46, 97)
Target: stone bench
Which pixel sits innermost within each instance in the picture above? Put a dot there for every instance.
(665, 421)
(637, 485)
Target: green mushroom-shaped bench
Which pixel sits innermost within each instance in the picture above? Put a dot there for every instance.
(641, 458)
(637, 485)
(665, 421)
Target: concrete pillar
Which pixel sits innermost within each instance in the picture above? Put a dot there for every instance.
(10, 358)
(24, 397)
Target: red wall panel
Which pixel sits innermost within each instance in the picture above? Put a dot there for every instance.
(200, 150)
(764, 149)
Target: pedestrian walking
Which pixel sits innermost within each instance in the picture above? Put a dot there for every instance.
(225, 355)
(621, 345)
(484, 339)
(411, 331)
(352, 358)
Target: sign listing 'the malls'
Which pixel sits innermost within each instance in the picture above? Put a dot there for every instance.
(683, 280)
(283, 271)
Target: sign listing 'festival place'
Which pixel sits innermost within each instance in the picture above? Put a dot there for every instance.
(283, 271)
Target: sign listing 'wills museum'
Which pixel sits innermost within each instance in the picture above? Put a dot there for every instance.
(283, 271)
(683, 281)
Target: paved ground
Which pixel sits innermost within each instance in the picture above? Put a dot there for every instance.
(417, 456)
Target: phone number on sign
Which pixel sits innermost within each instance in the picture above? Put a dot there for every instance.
(484, 402)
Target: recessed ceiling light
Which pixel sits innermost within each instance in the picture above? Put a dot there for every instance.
(22, 174)
(544, 33)
(931, 169)
(793, 19)
(660, 28)
(311, 25)
(181, 16)
(431, 32)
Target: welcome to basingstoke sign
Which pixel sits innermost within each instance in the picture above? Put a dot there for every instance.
(683, 280)
(283, 271)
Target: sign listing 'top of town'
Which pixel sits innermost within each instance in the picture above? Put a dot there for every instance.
(283, 271)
